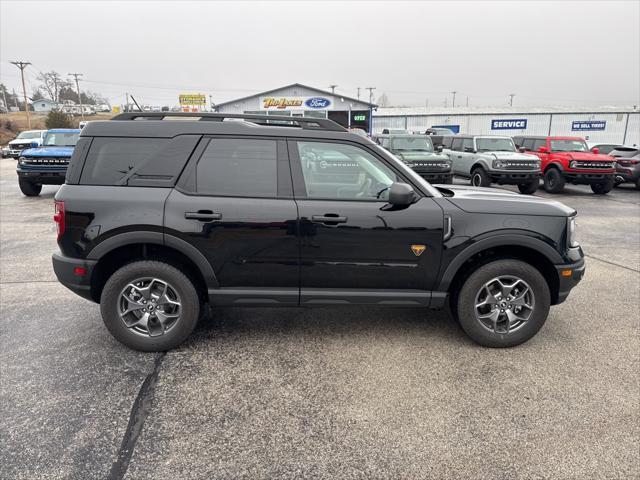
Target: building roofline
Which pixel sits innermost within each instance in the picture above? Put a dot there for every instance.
(230, 102)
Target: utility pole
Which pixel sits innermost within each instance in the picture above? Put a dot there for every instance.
(22, 66)
(511, 95)
(371, 89)
(333, 89)
(76, 75)
(467, 100)
(358, 93)
(4, 97)
(453, 104)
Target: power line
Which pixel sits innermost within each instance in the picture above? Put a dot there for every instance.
(22, 66)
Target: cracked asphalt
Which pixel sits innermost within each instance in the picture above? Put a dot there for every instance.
(327, 393)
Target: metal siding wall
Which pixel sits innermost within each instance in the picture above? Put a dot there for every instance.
(537, 124)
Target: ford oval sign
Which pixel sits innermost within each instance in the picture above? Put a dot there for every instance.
(318, 102)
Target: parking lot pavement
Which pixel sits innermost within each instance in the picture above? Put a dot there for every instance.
(325, 393)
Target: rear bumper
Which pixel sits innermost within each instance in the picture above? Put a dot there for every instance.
(569, 276)
(64, 268)
(628, 174)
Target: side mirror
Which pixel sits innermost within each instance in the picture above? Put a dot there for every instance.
(401, 194)
(34, 144)
(595, 150)
(439, 148)
(543, 150)
(468, 149)
(522, 149)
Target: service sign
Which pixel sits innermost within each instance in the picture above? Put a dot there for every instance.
(510, 124)
(294, 103)
(581, 125)
(192, 99)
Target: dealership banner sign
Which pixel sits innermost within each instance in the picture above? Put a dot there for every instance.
(580, 125)
(511, 124)
(192, 99)
(294, 103)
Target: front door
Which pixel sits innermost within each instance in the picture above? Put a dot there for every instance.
(234, 204)
(354, 248)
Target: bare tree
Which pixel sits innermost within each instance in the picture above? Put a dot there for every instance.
(383, 100)
(52, 84)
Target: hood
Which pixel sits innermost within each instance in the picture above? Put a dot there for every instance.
(414, 156)
(48, 152)
(493, 200)
(590, 156)
(512, 156)
(24, 141)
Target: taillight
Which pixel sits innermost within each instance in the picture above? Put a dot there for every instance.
(58, 217)
(628, 163)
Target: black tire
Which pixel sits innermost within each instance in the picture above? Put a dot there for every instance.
(554, 181)
(638, 184)
(602, 187)
(30, 189)
(530, 187)
(466, 303)
(479, 178)
(448, 180)
(177, 333)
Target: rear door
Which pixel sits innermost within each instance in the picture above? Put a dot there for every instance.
(234, 204)
(353, 247)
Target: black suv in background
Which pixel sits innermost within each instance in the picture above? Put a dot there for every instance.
(158, 217)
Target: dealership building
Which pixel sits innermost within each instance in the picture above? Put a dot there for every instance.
(603, 125)
(299, 100)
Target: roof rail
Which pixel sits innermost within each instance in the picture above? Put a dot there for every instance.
(308, 123)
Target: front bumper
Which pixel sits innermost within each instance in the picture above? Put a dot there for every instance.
(436, 177)
(569, 276)
(512, 178)
(587, 178)
(40, 175)
(65, 270)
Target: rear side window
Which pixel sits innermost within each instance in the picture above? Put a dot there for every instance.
(239, 168)
(137, 161)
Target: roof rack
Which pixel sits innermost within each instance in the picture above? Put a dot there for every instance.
(307, 123)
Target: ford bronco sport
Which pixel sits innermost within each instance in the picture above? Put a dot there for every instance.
(418, 153)
(568, 159)
(158, 218)
(492, 159)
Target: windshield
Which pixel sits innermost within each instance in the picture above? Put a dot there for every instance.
(575, 145)
(61, 139)
(412, 144)
(29, 135)
(489, 144)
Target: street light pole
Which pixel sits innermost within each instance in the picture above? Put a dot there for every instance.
(22, 66)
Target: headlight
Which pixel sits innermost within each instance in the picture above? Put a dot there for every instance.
(498, 164)
(571, 232)
(22, 160)
(573, 164)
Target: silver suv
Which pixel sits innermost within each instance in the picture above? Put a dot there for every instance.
(487, 159)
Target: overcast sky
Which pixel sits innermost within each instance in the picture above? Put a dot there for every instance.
(547, 53)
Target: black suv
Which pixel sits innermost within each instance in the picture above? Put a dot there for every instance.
(159, 217)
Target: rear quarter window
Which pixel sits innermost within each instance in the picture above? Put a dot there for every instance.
(137, 161)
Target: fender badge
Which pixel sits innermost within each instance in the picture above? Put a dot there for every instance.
(418, 249)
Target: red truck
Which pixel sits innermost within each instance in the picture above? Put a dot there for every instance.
(568, 159)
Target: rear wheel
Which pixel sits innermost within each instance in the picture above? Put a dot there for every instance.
(30, 189)
(602, 187)
(479, 178)
(529, 187)
(503, 303)
(150, 306)
(554, 181)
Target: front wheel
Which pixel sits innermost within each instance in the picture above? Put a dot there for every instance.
(554, 181)
(530, 187)
(503, 303)
(150, 306)
(638, 184)
(479, 178)
(30, 189)
(602, 187)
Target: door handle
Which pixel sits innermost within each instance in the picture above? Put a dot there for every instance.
(329, 218)
(203, 215)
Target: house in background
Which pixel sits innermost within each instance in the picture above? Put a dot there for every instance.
(43, 105)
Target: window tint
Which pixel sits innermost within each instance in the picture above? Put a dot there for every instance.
(135, 161)
(238, 167)
(346, 172)
(537, 143)
(456, 144)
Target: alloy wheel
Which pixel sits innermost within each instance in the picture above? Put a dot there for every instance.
(149, 306)
(504, 304)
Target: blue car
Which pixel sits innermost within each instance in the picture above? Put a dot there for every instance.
(46, 164)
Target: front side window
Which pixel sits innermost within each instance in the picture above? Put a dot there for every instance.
(540, 142)
(239, 168)
(416, 143)
(61, 139)
(456, 144)
(29, 135)
(467, 145)
(345, 172)
(497, 144)
(527, 144)
(571, 145)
